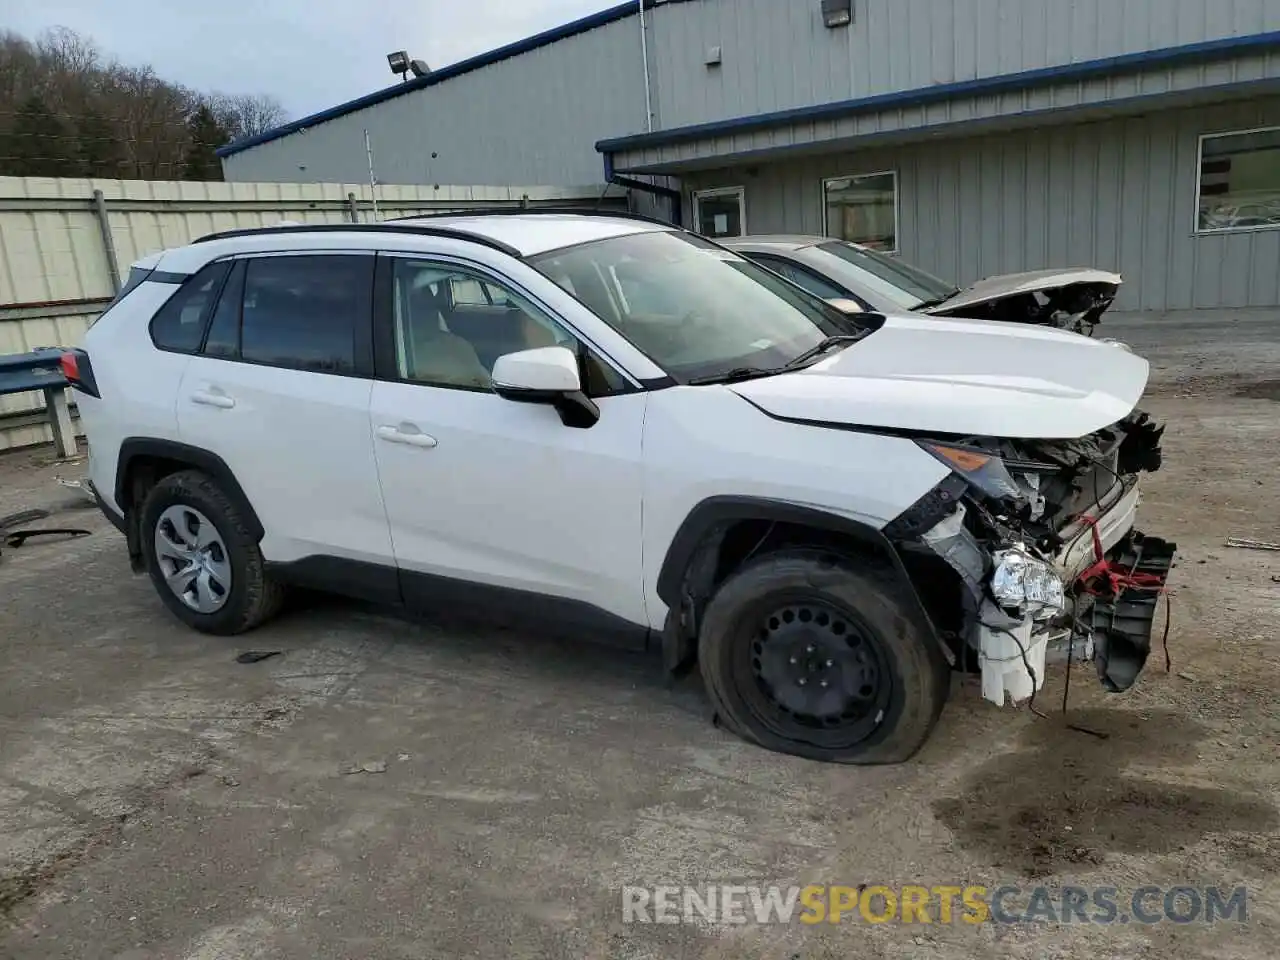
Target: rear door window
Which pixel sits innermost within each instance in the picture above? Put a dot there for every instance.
(179, 324)
(307, 312)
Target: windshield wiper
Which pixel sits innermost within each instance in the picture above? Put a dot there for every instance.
(735, 375)
(936, 301)
(751, 373)
(820, 348)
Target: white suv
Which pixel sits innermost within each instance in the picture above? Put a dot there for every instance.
(607, 427)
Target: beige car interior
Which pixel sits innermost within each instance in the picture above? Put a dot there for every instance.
(451, 327)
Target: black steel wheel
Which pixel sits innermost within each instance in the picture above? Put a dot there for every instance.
(818, 668)
(809, 653)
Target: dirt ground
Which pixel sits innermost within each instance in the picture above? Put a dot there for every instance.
(160, 800)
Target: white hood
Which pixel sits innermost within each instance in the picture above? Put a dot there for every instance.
(1040, 281)
(968, 377)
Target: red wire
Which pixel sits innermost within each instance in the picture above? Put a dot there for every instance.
(1116, 578)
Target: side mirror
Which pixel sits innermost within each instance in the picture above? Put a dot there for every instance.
(536, 375)
(845, 305)
(546, 375)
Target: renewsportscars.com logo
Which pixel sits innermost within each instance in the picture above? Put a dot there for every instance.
(814, 904)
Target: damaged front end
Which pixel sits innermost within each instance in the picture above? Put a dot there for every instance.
(1027, 553)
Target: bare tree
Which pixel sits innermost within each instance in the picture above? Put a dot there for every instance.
(247, 115)
(70, 58)
(84, 113)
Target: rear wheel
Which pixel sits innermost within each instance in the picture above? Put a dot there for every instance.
(809, 653)
(203, 561)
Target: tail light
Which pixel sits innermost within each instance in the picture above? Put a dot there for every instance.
(78, 370)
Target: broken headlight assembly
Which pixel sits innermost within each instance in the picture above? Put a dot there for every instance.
(984, 471)
(1025, 584)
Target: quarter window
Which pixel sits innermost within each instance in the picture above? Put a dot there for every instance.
(179, 324)
(863, 209)
(1239, 181)
(305, 312)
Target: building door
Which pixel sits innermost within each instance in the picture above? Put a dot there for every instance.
(721, 212)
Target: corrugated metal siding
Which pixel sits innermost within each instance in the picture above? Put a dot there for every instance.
(1157, 88)
(535, 117)
(778, 55)
(531, 119)
(51, 246)
(1117, 194)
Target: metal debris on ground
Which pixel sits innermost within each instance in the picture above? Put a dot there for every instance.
(84, 486)
(372, 766)
(58, 461)
(9, 537)
(257, 656)
(1243, 543)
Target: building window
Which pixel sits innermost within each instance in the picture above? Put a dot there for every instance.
(720, 213)
(863, 209)
(1239, 181)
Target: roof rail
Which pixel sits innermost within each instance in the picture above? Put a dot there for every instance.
(388, 227)
(538, 211)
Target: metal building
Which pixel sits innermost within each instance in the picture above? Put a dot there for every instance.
(974, 137)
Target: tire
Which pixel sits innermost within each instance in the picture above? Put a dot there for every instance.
(810, 653)
(250, 598)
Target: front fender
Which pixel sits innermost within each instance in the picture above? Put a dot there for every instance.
(688, 575)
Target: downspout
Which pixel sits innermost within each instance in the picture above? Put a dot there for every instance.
(631, 183)
(644, 56)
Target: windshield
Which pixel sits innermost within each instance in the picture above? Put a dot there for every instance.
(696, 309)
(909, 287)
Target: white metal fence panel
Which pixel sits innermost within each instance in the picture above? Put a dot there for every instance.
(65, 243)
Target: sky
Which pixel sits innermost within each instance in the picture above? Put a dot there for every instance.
(309, 54)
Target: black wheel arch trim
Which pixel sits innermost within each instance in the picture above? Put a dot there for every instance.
(714, 512)
(198, 458)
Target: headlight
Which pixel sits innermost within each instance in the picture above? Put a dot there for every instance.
(986, 472)
(1022, 582)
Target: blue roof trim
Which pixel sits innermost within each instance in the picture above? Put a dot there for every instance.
(1004, 83)
(547, 37)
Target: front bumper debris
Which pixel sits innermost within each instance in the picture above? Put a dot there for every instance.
(1120, 624)
(1109, 620)
(1041, 535)
(1112, 578)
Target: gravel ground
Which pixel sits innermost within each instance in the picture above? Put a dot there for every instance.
(160, 800)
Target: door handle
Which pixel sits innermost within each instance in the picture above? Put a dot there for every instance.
(412, 437)
(211, 399)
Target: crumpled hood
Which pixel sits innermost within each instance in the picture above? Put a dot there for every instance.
(969, 377)
(987, 291)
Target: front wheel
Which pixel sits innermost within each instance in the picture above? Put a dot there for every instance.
(810, 653)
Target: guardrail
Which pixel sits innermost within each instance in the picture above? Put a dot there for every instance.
(41, 370)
